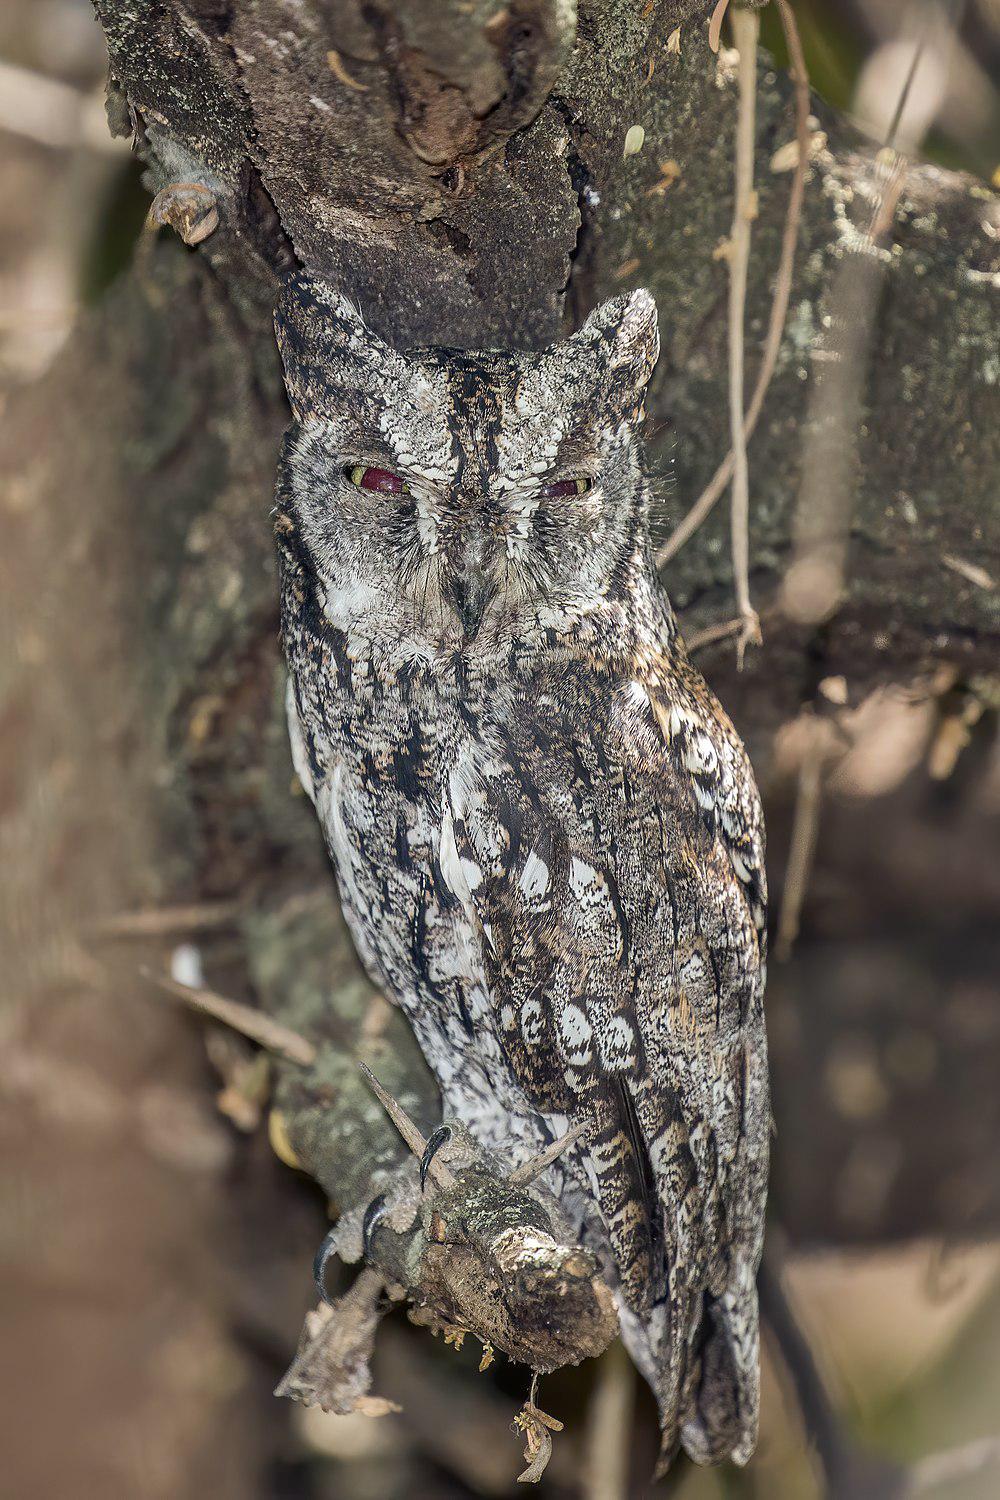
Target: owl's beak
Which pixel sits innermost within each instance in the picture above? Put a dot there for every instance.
(470, 594)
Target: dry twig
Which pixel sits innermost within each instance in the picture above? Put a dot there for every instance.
(746, 28)
(971, 572)
(336, 65)
(407, 1127)
(721, 631)
(782, 292)
(529, 1170)
(166, 921)
(843, 1469)
(253, 1023)
(715, 24)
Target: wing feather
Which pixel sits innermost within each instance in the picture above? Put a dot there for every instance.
(623, 894)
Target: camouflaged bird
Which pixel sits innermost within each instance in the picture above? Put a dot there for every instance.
(546, 831)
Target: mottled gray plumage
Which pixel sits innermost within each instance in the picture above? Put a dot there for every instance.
(546, 831)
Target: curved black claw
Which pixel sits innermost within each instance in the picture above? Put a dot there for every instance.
(321, 1260)
(435, 1141)
(376, 1210)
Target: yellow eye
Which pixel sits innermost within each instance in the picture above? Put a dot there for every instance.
(578, 486)
(381, 480)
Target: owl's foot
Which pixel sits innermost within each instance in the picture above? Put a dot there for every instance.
(435, 1141)
(331, 1245)
(321, 1260)
(376, 1210)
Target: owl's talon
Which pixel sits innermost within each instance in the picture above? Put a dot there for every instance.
(321, 1260)
(435, 1141)
(374, 1213)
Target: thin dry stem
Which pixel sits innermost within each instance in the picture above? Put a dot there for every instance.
(243, 1018)
(407, 1127)
(722, 630)
(165, 921)
(782, 293)
(715, 24)
(713, 633)
(802, 847)
(971, 572)
(336, 66)
(529, 1170)
(806, 1386)
(746, 28)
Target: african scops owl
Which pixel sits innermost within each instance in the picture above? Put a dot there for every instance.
(546, 831)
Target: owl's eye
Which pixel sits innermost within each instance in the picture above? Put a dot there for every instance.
(560, 487)
(381, 480)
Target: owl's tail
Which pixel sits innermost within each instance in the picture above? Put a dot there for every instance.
(705, 1373)
(722, 1400)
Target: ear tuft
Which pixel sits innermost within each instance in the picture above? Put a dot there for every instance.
(621, 337)
(628, 323)
(317, 329)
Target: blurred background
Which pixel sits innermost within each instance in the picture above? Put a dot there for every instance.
(154, 1249)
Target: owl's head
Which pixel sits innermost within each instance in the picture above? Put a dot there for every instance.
(460, 498)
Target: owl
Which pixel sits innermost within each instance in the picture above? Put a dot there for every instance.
(546, 832)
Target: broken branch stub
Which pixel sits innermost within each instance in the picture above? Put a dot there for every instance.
(497, 1264)
(479, 1256)
(476, 1253)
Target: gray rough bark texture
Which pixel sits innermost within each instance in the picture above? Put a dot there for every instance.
(458, 169)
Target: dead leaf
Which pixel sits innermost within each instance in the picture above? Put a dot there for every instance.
(537, 1426)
